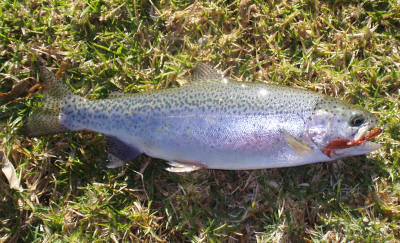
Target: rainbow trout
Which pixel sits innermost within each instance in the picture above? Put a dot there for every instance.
(212, 123)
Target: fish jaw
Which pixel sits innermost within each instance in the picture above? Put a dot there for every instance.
(342, 143)
(363, 148)
(365, 136)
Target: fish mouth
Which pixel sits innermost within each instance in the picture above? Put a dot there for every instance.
(364, 135)
(359, 145)
(368, 146)
(364, 148)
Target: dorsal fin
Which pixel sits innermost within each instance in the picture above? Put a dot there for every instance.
(205, 72)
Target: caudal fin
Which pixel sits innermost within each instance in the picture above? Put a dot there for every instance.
(45, 120)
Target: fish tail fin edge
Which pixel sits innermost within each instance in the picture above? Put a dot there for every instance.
(45, 120)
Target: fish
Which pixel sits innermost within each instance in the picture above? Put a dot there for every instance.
(211, 123)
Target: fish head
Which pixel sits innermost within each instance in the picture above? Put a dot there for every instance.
(339, 129)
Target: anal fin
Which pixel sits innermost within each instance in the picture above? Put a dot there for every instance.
(178, 167)
(119, 152)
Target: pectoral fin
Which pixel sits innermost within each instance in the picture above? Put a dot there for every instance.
(119, 152)
(299, 146)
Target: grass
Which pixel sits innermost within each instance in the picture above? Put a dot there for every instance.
(346, 50)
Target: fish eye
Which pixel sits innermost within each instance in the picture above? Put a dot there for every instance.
(357, 121)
